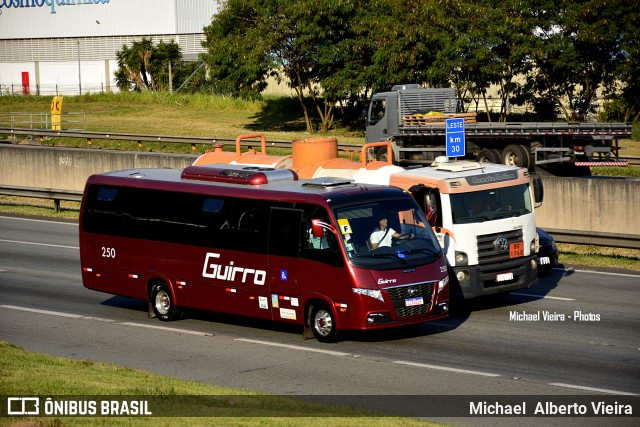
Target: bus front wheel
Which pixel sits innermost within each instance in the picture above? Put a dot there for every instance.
(163, 304)
(323, 323)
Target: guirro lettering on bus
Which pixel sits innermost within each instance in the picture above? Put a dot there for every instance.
(231, 273)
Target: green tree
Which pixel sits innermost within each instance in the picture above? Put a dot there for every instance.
(163, 55)
(251, 40)
(575, 49)
(628, 72)
(238, 49)
(143, 66)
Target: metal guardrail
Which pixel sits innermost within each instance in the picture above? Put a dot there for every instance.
(189, 140)
(613, 240)
(36, 133)
(42, 193)
(595, 238)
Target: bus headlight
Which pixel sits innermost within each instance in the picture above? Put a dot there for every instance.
(373, 293)
(534, 246)
(442, 283)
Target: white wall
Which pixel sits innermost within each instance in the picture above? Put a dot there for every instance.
(59, 77)
(93, 18)
(47, 34)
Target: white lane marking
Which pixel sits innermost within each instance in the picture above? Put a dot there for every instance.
(542, 296)
(334, 353)
(606, 273)
(101, 319)
(75, 224)
(294, 347)
(444, 368)
(164, 328)
(601, 390)
(35, 310)
(39, 244)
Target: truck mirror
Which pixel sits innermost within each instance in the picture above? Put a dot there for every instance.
(432, 215)
(538, 189)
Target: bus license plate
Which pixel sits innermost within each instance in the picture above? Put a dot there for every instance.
(410, 302)
(516, 250)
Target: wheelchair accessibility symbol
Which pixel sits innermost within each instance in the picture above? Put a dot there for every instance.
(283, 275)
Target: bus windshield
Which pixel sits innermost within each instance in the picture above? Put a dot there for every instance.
(488, 205)
(386, 234)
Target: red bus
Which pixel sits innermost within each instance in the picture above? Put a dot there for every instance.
(258, 242)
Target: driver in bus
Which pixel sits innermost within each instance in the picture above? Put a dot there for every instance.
(383, 235)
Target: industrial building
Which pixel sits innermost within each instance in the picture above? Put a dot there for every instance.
(68, 47)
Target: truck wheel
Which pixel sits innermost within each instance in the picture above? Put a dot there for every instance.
(529, 160)
(515, 155)
(487, 155)
(163, 304)
(323, 323)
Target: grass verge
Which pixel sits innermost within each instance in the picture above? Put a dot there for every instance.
(599, 256)
(31, 374)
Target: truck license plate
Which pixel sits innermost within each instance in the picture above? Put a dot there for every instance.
(504, 277)
(410, 302)
(516, 249)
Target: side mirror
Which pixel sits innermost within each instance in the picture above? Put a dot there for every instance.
(538, 189)
(318, 226)
(432, 215)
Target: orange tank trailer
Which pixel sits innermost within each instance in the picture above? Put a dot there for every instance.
(310, 157)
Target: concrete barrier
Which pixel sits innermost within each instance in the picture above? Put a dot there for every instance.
(597, 205)
(69, 168)
(591, 204)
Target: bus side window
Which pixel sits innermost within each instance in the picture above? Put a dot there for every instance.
(322, 249)
(245, 228)
(103, 210)
(144, 209)
(181, 222)
(284, 232)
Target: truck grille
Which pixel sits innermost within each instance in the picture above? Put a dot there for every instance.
(487, 252)
(399, 295)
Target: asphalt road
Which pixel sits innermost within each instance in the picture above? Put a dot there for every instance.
(586, 341)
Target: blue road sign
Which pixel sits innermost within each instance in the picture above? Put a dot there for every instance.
(455, 137)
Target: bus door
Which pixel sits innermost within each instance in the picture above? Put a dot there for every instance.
(283, 275)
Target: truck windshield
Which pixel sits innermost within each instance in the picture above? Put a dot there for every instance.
(487, 205)
(392, 233)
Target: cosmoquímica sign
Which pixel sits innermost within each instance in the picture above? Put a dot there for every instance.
(54, 5)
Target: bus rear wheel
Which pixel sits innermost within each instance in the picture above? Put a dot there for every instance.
(163, 304)
(323, 323)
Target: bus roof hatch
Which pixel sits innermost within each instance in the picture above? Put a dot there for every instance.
(238, 174)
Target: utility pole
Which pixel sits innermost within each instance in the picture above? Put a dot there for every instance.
(79, 74)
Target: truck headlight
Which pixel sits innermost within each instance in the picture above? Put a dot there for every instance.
(461, 258)
(373, 293)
